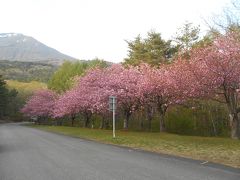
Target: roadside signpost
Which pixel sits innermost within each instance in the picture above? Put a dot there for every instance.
(112, 107)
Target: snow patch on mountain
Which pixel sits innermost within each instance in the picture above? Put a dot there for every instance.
(4, 35)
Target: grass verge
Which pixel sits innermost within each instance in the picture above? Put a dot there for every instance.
(219, 150)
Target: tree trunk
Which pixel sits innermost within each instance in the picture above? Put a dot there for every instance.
(162, 122)
(141, 124)
(213, 123)
(162, 110)
(86, 121)
(61, 122)
(150, 124)
(126, 120)
(87, 118)
(231, 97)
(107, 123)
(149, 117)
(140, 119)
(92, 123)
(125, 123)
(235, 126)
(72, 119)
(102, 123)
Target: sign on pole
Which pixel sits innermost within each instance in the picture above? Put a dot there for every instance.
(112, 107)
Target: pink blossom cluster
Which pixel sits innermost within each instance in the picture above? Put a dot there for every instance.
(41, 104)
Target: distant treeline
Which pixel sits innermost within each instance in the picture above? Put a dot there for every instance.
(26, 71)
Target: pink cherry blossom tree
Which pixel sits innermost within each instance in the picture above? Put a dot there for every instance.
(41, 104)
(122, 82)
(216, 70)
(86, 97)
(74, 101)
(66, 106)
(95, 83)
(116, 80)
(158, 87)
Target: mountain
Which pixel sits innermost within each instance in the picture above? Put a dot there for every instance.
(18, 47)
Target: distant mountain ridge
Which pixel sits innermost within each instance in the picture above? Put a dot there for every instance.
(18, 47)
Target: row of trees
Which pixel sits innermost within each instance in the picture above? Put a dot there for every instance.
(210, 70)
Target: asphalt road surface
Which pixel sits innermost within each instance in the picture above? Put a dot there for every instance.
(31, 154)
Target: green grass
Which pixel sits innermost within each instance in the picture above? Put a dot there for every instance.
(26, 86)
(219, 150)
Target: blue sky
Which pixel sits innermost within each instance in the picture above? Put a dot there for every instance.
(86, 29)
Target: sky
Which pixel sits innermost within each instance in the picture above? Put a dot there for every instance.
(86, 29)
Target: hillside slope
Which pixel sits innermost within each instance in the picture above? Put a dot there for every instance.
(18, 47)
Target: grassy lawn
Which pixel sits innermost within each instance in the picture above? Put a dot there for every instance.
(220, 150)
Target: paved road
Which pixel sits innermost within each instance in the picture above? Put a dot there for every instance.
(31, 154)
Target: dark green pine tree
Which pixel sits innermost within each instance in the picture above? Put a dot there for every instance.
(3, 97)
(152, 50)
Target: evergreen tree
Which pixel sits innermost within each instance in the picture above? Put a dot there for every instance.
(186, 37)
(153, 50)
(3, 97)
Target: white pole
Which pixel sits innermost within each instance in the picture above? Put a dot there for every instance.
(114, 118)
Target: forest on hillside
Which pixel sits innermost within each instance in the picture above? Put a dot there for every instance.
(26, 71)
